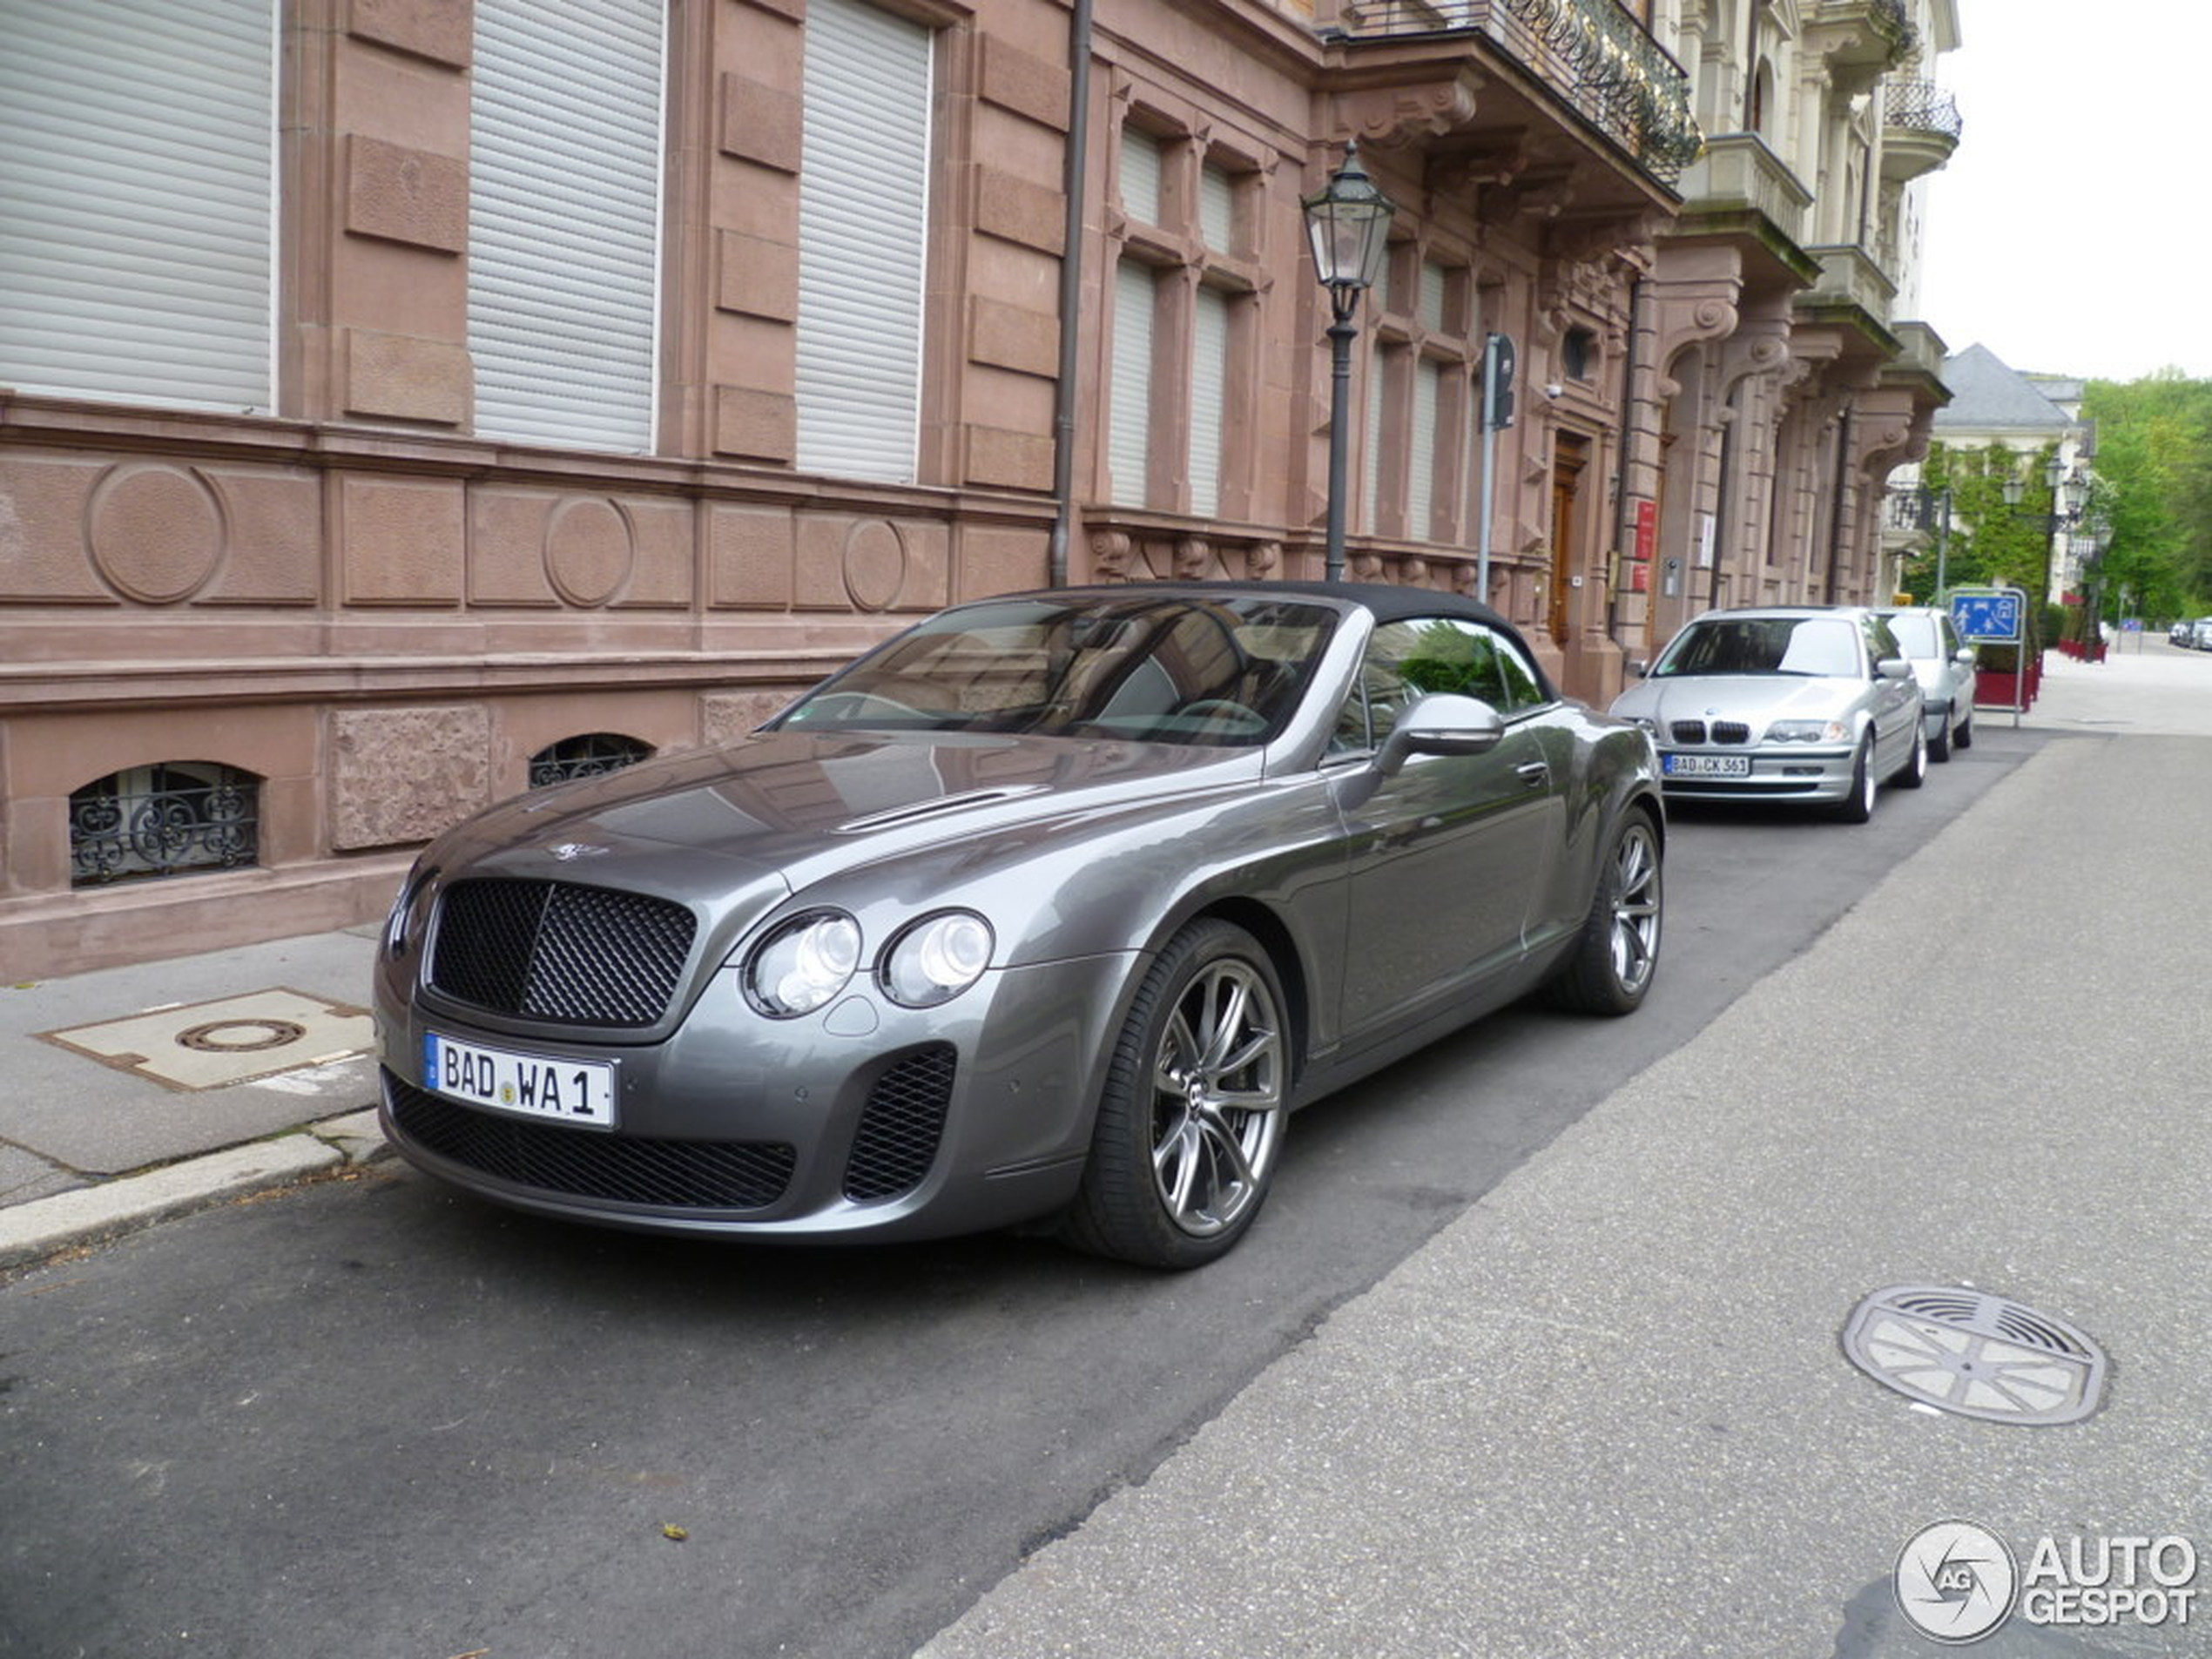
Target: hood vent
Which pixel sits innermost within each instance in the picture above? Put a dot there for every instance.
(919, 811)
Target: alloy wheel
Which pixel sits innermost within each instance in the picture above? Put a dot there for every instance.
(1635, 908)
(1217, 1084)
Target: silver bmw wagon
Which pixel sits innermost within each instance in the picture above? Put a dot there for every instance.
(1048, 910)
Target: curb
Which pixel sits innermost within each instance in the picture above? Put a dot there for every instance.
(88, 1214)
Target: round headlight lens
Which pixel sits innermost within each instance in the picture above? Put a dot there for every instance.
(937, 959)
(803, 964)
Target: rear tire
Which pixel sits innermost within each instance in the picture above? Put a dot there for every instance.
(1618, 951)
(1191, 1119)
(1914, 772)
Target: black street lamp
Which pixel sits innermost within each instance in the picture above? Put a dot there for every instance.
(1925, 507)
(2058, 481)
(1348, 223)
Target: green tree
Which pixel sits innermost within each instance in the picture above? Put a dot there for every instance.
(2154, 472)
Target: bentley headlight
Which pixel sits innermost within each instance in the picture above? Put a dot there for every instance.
(937, 959)
(400, 923)
(803, 963)
(1808, 731)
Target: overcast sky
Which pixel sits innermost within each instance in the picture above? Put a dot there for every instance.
(2072, 231)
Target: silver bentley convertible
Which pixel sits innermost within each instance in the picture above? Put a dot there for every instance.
(1048, 910)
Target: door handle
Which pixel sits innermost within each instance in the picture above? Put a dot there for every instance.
(1534, 773)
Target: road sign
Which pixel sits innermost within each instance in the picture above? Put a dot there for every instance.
(1985, 618)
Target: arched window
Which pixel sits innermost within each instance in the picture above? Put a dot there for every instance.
(173, 818)
(585, 757)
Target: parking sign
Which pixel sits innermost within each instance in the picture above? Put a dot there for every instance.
(1985, 616)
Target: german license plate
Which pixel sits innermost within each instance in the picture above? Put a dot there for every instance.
(530, 1085)
(1705, 765)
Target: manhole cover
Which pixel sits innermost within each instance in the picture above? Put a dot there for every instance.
(1979, 1356)
(241, 1036)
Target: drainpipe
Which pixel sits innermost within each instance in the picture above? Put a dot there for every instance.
(1624, 516)
(1731, 414)
(1071, 294)
(1836, 511)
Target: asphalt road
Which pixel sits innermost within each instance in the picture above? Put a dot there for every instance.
(372, 1418)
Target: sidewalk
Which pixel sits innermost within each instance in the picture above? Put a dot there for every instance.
(136, 1093)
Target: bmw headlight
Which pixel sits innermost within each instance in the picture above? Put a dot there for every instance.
(935, 959)
(1808, 731)
(803, 963)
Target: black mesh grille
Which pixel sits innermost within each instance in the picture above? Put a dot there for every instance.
(899, 1131)
(590, 1164)
(551, 950)
(1731, 732)
(1690, 731)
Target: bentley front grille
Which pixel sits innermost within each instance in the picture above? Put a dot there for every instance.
(553, 950)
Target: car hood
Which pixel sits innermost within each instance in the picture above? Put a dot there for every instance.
(797, 807)
(1755, 699)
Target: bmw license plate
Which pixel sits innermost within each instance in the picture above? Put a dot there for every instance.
(567, 1091)
(1705, 765)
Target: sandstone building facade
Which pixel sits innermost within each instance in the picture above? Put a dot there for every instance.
(406, 402)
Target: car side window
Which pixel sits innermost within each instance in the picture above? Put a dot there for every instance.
(1407, 660)
(1880, 641)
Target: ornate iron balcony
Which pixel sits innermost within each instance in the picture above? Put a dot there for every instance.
(1921, 106)
(1610, 72)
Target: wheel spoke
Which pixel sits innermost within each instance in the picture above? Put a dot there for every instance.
(1224, 1147)
(1175, 1162)
(1222, 1021)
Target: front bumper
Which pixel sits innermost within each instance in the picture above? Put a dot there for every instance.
(1806, 772)
(862, 1121)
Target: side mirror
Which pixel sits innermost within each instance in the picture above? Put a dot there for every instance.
(1638, 668)
(1443, 723)
(1964, 656)
(1893, 668)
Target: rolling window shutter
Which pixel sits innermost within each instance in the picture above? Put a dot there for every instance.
(1217, 208)
(1421, 458)
(136, 200)
(863, 239)
(1209, 389)
(1140, 175)
(564, 220)
(1128, 455)
(1432, 297)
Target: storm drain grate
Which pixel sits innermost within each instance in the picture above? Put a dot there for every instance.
(1954, 1348)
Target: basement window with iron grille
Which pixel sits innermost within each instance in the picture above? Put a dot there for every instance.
(178, 817)
(585, 757)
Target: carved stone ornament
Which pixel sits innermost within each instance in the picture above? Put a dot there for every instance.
(1385, 117)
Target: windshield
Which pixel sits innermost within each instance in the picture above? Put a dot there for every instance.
(1817, 647)
(1915, 631)
(1153, 668)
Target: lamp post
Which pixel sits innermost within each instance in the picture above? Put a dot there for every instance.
(1921, 507)
(2057, 480)
(1348, 223)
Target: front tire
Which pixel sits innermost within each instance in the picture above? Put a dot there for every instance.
(1618, 951)
(1857, 808)
(1191, 1119)
(1939, 745)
